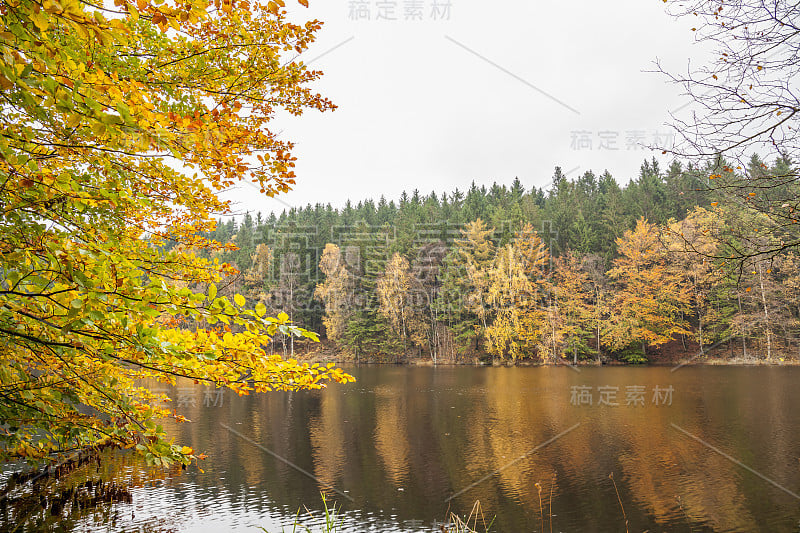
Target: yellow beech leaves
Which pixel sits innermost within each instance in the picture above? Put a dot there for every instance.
(119, 127)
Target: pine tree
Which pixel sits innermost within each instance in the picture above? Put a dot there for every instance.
(365, 333)
(426, 299)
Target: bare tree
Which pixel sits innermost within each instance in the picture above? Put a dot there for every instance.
(746, 110)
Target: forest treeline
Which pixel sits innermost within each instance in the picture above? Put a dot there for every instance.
(587, 269)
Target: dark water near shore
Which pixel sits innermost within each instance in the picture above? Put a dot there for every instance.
(698, 449)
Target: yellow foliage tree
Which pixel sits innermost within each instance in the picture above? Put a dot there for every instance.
(396, 303)
(537, 308)
(335, 292)
(515, 294)
(256, 276)
(651, 299)
(573, 293)
(693, 243)
(119, 126)
(507, 287)
(476, 251)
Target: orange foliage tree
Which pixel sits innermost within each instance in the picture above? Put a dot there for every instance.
(651, 301)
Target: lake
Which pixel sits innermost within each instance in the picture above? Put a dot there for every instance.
(696, 449)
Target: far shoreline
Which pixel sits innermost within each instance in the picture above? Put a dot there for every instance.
(695, 361)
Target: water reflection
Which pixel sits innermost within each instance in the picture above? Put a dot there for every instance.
(401, 441)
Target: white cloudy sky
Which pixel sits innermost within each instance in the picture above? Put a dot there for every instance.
(496, 91)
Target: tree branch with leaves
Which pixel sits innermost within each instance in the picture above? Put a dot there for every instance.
(119, 127)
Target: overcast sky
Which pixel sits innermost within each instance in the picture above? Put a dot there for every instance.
(484, 91)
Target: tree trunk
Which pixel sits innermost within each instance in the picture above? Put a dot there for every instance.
(291, 311)
(699, 320)
(744, 338)
(555, 348)
(700, 333)
(597, 305)
(404, 334)
(767, 329)
(598, 342)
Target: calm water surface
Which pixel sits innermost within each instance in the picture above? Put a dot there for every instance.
(698, 449)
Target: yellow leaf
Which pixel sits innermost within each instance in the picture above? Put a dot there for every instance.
(73, 120)
(40, 20)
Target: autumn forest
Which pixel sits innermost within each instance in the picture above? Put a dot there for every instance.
(663, 268)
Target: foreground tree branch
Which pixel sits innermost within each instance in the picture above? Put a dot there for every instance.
(742, 128)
